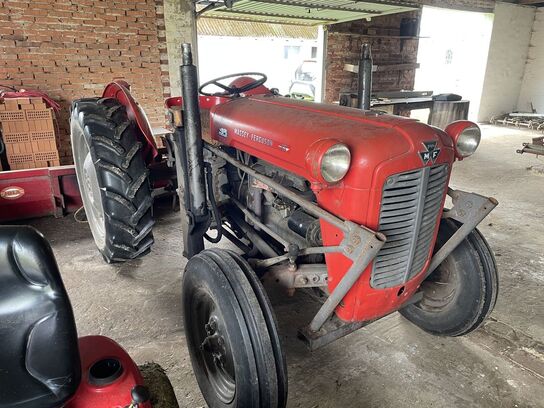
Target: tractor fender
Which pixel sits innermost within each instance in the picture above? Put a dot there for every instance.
(120, 90)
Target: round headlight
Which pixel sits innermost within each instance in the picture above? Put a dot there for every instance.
(335, 163)
(468, 141)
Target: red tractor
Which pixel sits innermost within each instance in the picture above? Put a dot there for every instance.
(346, 202)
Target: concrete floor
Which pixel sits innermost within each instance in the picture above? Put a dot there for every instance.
(389, 363)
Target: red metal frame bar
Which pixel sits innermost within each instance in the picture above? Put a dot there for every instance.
(38, 192)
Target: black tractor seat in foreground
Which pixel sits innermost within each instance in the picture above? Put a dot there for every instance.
(39, 357)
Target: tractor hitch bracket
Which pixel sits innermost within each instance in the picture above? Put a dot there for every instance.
(331, 331)
(335, 329)
(361, 245)
(469, 209)
(305, 276)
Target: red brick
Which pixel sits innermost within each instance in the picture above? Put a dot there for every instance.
(71, 49)
(344, 47)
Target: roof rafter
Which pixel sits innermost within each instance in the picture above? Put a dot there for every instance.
(252, 20)
(302, 12)
(311, 4)
(278, 15)
(399, 3)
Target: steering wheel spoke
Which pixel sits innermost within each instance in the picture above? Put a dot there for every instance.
(220, 85)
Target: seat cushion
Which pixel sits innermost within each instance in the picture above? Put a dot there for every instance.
(39, 357)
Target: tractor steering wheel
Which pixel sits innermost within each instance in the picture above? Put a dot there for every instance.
(233, 90)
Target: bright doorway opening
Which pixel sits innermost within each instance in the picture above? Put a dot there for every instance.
(291, 62)
(453, 53)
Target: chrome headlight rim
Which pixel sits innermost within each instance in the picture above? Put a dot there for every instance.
(335, 163)
(468, 141)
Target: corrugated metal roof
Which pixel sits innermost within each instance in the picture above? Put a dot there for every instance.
(229, 28)
(306, 12)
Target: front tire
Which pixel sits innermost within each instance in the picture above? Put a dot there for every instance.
(460, 294)
(112, 178)
(231, 342)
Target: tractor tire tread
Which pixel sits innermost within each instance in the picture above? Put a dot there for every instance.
(123, 176)
(459, 319)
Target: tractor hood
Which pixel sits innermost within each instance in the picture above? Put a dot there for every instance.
(285, 132)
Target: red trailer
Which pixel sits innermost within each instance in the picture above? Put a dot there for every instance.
(38, 192)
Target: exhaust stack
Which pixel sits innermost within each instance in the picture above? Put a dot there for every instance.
(190, 159)
(365, 78)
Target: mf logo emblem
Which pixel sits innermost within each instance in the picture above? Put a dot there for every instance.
(431, 152)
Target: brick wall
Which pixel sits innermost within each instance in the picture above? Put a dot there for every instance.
(72, 48)
(344, 42)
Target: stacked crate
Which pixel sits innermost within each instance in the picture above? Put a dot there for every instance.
(28, 133)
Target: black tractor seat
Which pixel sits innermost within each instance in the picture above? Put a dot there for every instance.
(39, 356)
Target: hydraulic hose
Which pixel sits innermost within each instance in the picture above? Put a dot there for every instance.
(213, 203)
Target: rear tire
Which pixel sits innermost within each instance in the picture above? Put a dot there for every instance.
(460, 294)
(112, 177)
(232, 344)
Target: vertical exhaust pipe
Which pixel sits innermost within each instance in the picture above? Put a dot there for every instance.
(193, 132)
(364, 88)
(190, 159)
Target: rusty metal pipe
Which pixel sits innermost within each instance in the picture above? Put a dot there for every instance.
(364, 88)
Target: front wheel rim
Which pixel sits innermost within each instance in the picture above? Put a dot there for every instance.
(215, 351)
(440, 289)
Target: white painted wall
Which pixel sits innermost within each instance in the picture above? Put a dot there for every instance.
(532, 88)
(507, 57)
(453, 53)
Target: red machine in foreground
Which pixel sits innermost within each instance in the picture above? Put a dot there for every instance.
(42, 362)
(346, 202)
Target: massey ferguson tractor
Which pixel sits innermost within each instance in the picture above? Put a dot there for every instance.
(346, 202)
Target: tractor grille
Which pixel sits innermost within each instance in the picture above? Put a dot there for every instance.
(410, 205)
